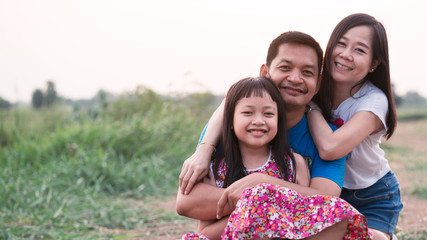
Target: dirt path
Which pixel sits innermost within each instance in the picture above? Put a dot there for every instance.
(414, 213)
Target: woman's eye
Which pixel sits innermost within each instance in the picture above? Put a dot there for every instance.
(341, 44)
(269, 114)
(360, 50)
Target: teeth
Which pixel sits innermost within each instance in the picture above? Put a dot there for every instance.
(343, 67)
(257, 131)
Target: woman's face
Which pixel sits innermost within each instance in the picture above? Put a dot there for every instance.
(352, 56)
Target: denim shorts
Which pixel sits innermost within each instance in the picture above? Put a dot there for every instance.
(380, 202)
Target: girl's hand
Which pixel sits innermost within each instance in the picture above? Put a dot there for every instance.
(232, 193)
(195, 168)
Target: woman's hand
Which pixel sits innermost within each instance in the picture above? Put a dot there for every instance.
(195, 168)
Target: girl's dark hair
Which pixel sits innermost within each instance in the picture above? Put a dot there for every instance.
(380, 77)
(244, 88)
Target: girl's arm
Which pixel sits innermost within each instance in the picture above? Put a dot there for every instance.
(197, 166)
(337, 144)
(302, 171)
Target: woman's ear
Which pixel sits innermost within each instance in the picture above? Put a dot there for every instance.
(374, 65)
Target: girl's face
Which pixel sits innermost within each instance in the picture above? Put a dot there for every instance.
(352, 56)
(255, 121)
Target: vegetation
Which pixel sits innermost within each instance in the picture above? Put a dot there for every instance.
(47, 99)
(68, 172)
(85, 169)
(4, 104)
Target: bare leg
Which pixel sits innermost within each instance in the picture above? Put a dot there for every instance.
(336, 231)
(379, 235)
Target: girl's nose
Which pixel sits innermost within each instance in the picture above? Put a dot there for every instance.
(258, 121)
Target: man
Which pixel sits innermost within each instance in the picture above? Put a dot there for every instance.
(293, 62)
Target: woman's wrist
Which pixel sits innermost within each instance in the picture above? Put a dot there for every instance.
(312, 107)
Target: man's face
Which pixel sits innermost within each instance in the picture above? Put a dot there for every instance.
(295, 73)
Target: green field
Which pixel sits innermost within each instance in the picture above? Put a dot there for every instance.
(66, 172)
(71, 172)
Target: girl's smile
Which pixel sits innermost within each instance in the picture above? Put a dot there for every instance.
(255, 121)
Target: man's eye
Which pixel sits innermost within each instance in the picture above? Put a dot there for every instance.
(308, 73)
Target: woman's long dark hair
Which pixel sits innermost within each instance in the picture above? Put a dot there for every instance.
(380, 77)
(244, 88)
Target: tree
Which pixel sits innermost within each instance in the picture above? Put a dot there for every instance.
(398, 100)
(4, 104)
(414, 97)
(37, 99)
(50, 94)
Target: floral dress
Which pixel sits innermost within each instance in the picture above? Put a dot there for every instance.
(273, 211)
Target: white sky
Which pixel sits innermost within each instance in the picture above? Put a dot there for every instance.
(186, 45)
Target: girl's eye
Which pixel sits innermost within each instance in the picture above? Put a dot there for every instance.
(269, 114)
(247, 113)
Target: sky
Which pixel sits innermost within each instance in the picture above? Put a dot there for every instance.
(181, 46)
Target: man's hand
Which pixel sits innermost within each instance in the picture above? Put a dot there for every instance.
(195, 168)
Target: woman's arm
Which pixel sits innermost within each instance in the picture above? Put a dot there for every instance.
(197, 166)
(337, 144)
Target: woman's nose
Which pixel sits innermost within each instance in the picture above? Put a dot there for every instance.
(346, 54)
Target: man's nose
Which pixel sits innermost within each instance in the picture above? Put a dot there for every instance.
(295, 76)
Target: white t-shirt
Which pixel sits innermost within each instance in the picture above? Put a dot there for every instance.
(366, 163)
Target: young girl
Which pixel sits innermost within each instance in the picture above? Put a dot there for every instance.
(254, 138)
(356, 92)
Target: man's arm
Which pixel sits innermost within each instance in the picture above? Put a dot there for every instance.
(213, 229)
(201, 202)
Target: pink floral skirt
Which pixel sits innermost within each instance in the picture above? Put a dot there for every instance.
(273, 211)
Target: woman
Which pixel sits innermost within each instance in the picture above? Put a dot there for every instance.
(356, 93)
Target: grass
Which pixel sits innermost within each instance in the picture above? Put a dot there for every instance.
(96, 173)
(67, 173)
